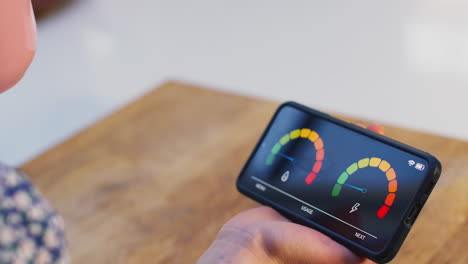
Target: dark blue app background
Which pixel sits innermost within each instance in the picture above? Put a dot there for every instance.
(359, 187)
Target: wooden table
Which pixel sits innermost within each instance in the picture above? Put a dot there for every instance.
(154, 182)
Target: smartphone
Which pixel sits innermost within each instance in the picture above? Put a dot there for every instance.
(362, 189)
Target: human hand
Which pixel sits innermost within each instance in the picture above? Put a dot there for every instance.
(262, 235)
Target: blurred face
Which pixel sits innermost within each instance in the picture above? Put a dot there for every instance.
(17, 40)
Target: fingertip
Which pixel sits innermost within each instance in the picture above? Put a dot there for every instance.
(376, 128)
(367, 261)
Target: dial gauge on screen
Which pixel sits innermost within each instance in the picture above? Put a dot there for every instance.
(345, 181)
(313, 167)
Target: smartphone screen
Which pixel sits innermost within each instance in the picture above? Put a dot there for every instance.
(356, 186)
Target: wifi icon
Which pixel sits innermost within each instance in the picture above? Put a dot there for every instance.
(411, 163)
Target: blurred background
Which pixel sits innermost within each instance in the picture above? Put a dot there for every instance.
(403, 63)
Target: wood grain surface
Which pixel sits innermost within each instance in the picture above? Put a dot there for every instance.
(154, 182)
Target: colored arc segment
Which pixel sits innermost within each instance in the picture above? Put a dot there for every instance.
(304, 133)
(385, 167)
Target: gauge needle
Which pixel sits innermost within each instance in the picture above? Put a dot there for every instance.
(287, 157)
(293, 160)
(362, 190)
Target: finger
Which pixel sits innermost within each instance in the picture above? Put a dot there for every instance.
(300, 244)
(368, 261)
(256, 215)
(240, 231)
(376, 128)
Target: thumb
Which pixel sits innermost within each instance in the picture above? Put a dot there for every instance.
(293, 243)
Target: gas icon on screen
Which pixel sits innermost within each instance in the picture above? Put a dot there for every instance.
(285, 176)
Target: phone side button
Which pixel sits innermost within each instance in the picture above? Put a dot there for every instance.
(412, 215)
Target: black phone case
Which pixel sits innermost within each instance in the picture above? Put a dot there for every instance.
(388, 253)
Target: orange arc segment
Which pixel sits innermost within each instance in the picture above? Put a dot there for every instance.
(384, 166)
(313, 136)
(318, 143)
(390, 199)
(320, 154)
(392, 186)
(391, 174)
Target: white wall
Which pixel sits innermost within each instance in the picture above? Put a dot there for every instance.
(398, 62)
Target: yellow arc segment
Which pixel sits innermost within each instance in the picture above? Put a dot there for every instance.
(384, 166)
(305, 132)
(295, 134)
(374, 162)
(363, 163)
(313, 136)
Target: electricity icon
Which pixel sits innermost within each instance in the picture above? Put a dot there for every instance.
(355, 207)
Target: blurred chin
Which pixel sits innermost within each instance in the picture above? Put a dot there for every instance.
(10, 76)
(8, 82)
(18, 41)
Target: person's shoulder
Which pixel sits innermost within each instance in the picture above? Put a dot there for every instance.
(30, 229)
